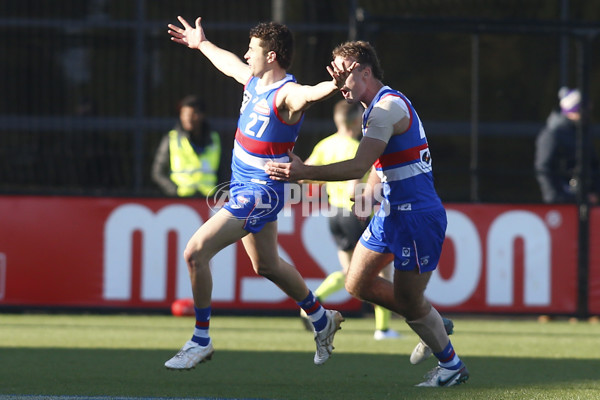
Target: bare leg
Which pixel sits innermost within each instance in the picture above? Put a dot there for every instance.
(221, 230)
(262, 250)
(405, 296)
(363, 282)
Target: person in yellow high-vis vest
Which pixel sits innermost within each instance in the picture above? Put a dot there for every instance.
(188, 158)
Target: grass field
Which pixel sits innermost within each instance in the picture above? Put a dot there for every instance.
(271, 358)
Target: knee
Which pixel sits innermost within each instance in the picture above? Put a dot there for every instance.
(411, 307)
(263, 269)
(194, 255)
(354, 288)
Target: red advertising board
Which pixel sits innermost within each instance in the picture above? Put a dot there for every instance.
(594, 270)
(507, 258)
(121, 252)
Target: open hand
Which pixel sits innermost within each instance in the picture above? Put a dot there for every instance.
(187, 36)
(340, 75)
(290, 171)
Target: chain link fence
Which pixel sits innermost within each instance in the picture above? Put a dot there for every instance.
(90, 86)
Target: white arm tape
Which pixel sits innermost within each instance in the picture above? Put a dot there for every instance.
(384, 115)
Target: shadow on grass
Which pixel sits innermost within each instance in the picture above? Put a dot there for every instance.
(279, 375)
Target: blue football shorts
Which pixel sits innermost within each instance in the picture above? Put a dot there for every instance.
(255, 203)
(414, 237)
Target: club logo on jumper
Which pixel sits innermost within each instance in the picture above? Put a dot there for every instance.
(425, 160)
(252, 199)
(405, 207)
(406, 252)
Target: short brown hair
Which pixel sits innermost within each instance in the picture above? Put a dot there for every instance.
(278, 38)
(363, 53)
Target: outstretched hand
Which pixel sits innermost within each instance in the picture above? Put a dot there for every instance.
(290, 171)
(340, 75)
(187, 36)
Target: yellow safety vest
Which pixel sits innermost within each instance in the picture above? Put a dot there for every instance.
(190, 171)
(332, 149)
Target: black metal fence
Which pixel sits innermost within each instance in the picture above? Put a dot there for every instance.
(90, 86)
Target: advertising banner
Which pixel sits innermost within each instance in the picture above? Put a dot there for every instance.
(127, 253)
(594, 270)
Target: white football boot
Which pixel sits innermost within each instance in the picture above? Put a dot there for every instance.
(190, 354)
(324, 338)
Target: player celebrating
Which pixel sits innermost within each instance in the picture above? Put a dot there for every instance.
(344, 226)
(411, 223)
(270, 117)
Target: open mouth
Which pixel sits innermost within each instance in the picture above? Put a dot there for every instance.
(345, 92)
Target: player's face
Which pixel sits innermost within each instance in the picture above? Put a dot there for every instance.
(354, 86)
(256, 57)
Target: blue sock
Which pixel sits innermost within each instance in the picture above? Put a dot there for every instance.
(448, 358)
(315, 311)
(202, 322)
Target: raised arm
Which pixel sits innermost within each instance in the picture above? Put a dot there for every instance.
(297, 98)
(225, 61)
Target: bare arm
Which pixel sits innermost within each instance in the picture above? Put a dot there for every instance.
(297, 98)
(225, 61)
(372, 185)
(368, 151)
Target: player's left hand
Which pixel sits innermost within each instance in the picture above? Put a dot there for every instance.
(290, 171)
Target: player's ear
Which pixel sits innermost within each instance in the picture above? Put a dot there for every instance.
(271, 56)
(366, 72)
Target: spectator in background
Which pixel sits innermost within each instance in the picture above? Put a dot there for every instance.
(555, 152)
(188, 158)
(344, 225)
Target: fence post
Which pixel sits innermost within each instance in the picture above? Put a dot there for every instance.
(474, 165)
(139, 106)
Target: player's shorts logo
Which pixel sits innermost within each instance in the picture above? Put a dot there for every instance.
(366, 235)
(406, 252)
(424, 260)
(405, 207)
(260, 200)
(242, 200)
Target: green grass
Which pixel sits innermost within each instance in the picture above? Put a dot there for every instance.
(271, 358)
